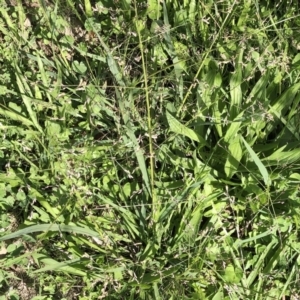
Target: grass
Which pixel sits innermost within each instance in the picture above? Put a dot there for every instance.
(149, 150)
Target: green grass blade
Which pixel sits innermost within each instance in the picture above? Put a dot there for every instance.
(24, 89)
(16, 117)
(235, 87)
(179, 128)
(53, 265)
(234, 128)
(156, 205)
(282, 157)
(256, 237)
(234, 157)
(50, 227)
(44, 77)
(88, 8)
(258, 162)
(259, 264)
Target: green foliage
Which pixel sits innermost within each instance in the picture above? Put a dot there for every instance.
(149, 150)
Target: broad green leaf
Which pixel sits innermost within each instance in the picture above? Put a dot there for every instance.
(79, 67)
(149, 278)
(192, 228)
(50, 227)
(295, 177)
(43, 216)
(16, 117)
(154, 9)
(244, 14)
(282, 157)
(88, 8)
(219, 295)
(179, 128)
(217, 116)
(234, 156)
(286, 99)
(235, 87)
(192, 11)
(234, 127)
(258, 162)
(53, 128)
(213, 76)
(159, 54)
(239, 242)
(16, 260)
(53, 265)
(114, 69)
(118, 272)
(232, 275)
(156, 291)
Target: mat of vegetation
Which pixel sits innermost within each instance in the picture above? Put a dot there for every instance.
(149, 149)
